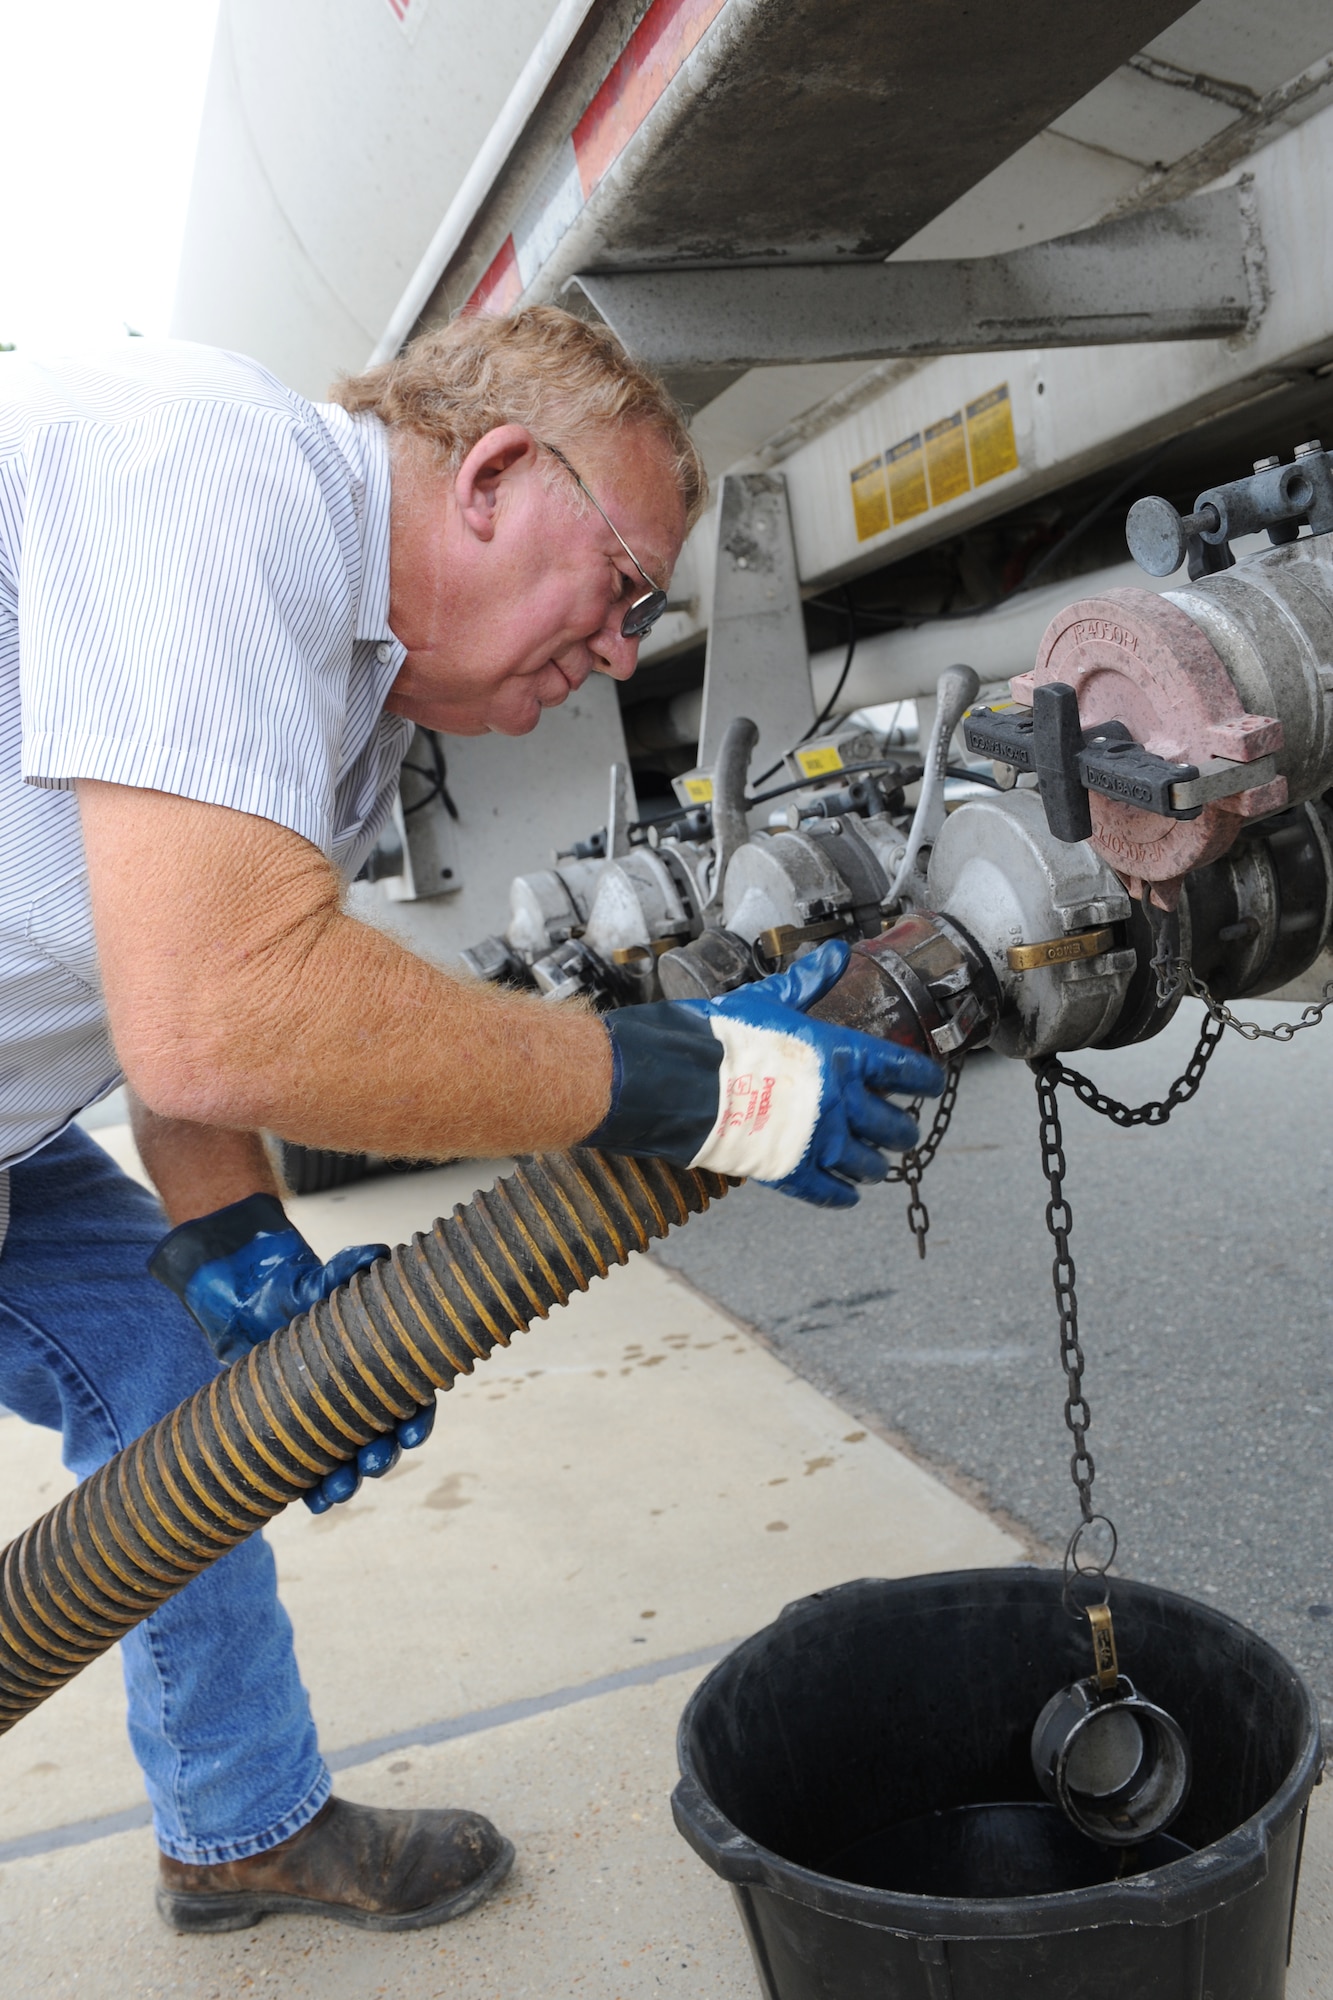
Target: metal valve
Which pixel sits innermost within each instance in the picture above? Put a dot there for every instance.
(1275, 497)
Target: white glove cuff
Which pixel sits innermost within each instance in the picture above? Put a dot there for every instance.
(770, 1087)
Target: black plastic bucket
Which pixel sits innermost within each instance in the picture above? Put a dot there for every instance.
(860, 1773)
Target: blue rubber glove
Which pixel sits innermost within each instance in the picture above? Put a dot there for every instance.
(749, 1085)
(244, 1272)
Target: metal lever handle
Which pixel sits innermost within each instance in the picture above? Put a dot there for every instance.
(955, 692)
(731, 827)
(620, 812)
(1057, 738)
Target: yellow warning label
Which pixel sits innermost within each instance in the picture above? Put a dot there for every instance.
(946, 459)
(907, 479)
(990, 435)
(933, 467)
(870, 498)
(699, 791)
(814, 763)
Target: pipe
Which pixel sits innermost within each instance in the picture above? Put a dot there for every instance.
(901, 666)
(553, 45)
(269, 1428)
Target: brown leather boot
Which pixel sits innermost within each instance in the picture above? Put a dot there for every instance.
(381, 1869)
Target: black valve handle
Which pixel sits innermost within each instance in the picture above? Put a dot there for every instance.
(1057, 739)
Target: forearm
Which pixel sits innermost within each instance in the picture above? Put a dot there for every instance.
(362, 1047)
(197, 1168)
(242, 996)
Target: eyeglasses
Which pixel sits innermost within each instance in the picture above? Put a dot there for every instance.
(645, 611)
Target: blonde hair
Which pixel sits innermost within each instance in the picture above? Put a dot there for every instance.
(559, 376)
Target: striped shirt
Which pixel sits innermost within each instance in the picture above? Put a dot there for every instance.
(194, 597)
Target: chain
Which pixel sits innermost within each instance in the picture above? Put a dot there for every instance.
(1173, 977)
(915, 1162)
(1163, 962)
(1281, 1031)
(1159, 1110)
(1059, 1221)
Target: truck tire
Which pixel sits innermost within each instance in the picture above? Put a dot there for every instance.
(310, 1170)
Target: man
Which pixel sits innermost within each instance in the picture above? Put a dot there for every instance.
(222, 609)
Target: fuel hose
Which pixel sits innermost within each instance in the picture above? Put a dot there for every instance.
(269, 1427)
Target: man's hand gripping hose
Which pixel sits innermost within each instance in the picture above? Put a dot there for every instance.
(243, 1272)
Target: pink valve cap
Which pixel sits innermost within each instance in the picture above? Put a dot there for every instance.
(1136, 658)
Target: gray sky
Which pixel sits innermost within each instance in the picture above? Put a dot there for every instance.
(101, 111)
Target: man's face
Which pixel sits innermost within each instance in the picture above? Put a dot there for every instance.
(507, 588)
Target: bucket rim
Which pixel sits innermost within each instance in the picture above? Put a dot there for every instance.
(1176, 1893)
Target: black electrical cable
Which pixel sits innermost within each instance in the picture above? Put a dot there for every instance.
(437, 778)
(904, 775)
(830, 704)
(1088, 520)
(975, 777)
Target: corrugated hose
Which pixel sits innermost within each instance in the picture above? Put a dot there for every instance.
(269, 1428)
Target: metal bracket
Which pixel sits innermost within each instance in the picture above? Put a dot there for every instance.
(1179, 272)
(1221, 778)
(1106, 1664)
(428, 851)
(757, 662)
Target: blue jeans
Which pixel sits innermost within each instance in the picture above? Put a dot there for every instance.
(94, 1348)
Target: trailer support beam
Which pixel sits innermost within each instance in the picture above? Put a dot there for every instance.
(1181, 272)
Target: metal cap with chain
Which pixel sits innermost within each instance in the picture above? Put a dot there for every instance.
(1116, 1764)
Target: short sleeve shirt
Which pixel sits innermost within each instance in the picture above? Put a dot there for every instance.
(194, 598)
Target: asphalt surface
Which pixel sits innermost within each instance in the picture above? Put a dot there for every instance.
(1203, 1257)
